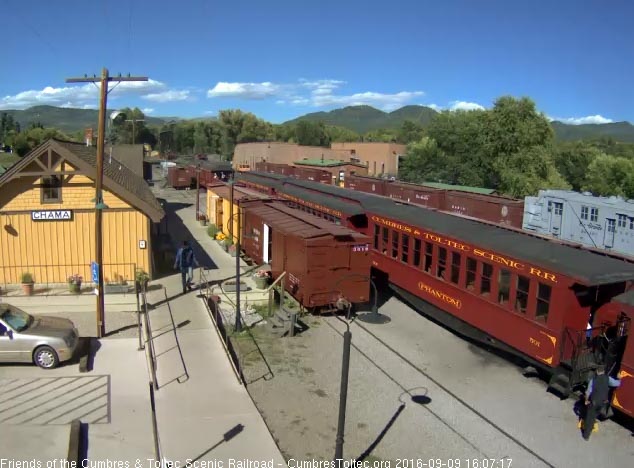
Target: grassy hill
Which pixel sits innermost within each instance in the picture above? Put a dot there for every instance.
(618, 131)
(65, 119)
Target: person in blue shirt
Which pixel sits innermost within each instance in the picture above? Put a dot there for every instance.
(185, 261)
(597, 396)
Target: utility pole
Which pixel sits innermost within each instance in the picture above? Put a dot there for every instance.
(105, 79)
(134, 121)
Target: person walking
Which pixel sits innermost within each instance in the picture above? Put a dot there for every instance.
(597, 396)
(185, 261)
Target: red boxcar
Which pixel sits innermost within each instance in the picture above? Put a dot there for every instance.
(365, 184)
(493, 208)
(275, 168)
(313, 174)
(178, 177)
(322, 260)
(418, 194)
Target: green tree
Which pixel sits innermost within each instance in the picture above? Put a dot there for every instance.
(409, 132)
(572, 160)
(609, 175)
(341, 134)
(310, 133)
(382, 135)
(426, 162)
(239, 127)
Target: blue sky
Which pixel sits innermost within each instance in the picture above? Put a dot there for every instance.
(282, 58)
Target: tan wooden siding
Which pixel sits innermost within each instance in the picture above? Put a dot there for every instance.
(76, 194)
(53, 250)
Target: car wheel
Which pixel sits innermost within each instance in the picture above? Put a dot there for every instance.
(45, 357)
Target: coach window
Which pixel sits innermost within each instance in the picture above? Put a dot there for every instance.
(504, 286)
(485, 284)
(377, 231)
(429, 250)
(394, 244)
(51, 190)
(405, 249)
(385, 241)
(521, 296)
(622, 220)
(543, 302)
(417, 253)
(442, 262)
(594, 214)
(584, 212)
(472, 266)
(455, 267)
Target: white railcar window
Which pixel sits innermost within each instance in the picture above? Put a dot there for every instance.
(594, 214)
(622, 220)
(584, 212)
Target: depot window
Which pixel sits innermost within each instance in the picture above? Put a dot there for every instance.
(543, 302)
(405, 249)
(394, 244)
(472, 266)
(429, 250)
(442, 262)
(417, 252)
(455, 267)
(521, 296)
(504, 286)
(485, 284)
(51, 189)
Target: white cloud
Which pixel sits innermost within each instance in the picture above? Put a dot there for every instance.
(168, 96)
(590, 119)
(463, 105)
(436, 107)
(84, 96)
(244, 90)
(147, 110)
(380, 100)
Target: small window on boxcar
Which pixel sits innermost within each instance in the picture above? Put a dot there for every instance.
(395, 244)
(429, 250)
(442, 262)
(405, 249)
(594, 214)
(622, 220)
(385, 241)
(455, 267)
(504, 286)
(543, 302)
(485, 284)
(417, 252)
(472, 266)
(377, 231)
(521, 295)
(584, 212)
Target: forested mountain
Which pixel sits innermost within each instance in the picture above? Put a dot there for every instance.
(618, 131)
(362, 119)
(66, 120)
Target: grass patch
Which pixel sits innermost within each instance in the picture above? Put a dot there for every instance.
(8, 159)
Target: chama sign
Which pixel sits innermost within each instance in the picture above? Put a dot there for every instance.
(52, 215)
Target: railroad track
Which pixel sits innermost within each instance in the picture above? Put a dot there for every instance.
(445, 389)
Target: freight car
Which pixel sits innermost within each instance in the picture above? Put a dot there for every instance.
(275, 168)
(323, 261)
(511, 290)
(178, 177)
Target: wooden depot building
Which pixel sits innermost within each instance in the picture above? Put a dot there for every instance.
(47, 217)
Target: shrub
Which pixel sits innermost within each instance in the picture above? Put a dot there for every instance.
(27, 278)
(212, 230)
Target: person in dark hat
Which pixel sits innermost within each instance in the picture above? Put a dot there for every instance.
(597, 396)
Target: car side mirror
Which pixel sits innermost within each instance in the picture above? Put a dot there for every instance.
(9, 333)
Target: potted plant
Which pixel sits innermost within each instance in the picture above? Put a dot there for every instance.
(27, 283)
(74, 283)
(203, 219)
(261, 278)
(226, 243)
(141, 279)
(212, 230)
(232, 250)
(220, 237)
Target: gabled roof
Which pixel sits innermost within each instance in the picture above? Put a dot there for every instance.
(117, 178)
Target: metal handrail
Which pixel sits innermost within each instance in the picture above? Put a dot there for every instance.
(150, 353)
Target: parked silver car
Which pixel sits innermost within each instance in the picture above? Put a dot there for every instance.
(46, 341)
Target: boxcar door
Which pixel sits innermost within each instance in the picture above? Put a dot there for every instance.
(610, 227)
(556, 210)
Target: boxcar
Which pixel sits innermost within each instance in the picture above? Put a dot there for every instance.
(417, 194)
(313, 174)
(494, 208)
(178, 177)
(322, 260)
(275, 168)
(365, 184)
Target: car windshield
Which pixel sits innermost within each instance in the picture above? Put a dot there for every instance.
(15, 318)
